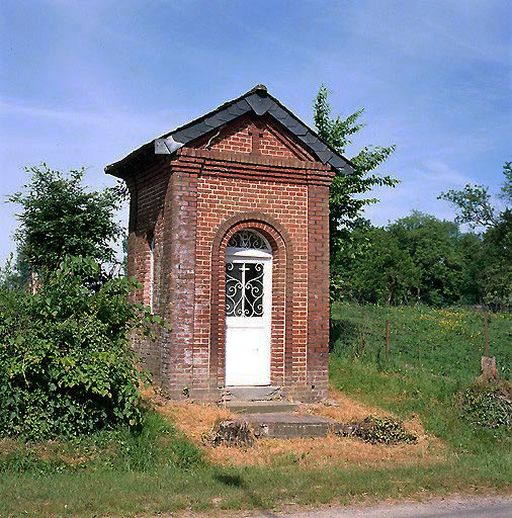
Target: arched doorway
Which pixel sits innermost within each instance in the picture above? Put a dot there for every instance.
(248, 299)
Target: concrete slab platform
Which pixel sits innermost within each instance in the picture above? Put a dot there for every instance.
(260, 407)
(285, 425)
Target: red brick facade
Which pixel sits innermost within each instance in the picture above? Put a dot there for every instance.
(252, 174)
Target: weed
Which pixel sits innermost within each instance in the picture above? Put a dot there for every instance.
(378, 430)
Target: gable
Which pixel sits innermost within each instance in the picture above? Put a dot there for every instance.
(285, 136)
(254, 135)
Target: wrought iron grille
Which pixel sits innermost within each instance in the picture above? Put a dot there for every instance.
(248, 239)
(244, 290)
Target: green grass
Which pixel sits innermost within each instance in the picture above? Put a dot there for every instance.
(110, 492)
(441, 342)
(158, 446)
(434, 355)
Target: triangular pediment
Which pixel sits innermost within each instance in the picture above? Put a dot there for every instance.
(255, 122)
(254, 135)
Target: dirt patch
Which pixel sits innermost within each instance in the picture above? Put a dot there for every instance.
(343, 409)
(196, 420)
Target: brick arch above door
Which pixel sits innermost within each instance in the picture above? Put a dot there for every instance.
(282, 290)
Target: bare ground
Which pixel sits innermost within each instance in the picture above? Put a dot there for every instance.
(196, 420)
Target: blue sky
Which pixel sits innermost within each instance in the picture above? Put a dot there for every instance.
(85, 82)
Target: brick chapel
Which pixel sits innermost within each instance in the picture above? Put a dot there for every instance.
(229, 239)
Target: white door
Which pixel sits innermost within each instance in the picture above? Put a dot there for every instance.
(248, 315)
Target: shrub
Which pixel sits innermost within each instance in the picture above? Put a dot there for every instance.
(488, 405)
(66, 367)
(60, 216)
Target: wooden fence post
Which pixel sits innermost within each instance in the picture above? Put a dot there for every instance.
(486, 333)
(388, 325)
(488, 364)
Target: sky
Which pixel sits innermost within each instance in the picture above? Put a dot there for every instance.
(82, 83)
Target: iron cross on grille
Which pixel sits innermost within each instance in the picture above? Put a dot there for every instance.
(256, 133)
(244, 293)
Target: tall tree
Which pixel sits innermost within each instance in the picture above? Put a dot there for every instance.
(384, 273)
(348, 192)
(435, 247)
(476, 207)
(61, 217)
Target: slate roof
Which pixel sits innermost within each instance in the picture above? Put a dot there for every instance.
(257, 100)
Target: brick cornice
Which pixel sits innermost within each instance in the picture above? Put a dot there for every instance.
(253, 159)
(255, 167)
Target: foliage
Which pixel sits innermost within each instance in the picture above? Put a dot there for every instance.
(435, 247)
(477, 208)
(60, 217)
(496, 271)
(9, 278)
(475, 204)
(378, 430)
(418, 258)
(66, 367)
(124, 261)
(347, 196)
(488, 405)
(384, 272)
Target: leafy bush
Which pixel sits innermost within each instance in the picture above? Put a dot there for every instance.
(66, 367)
(378, 430)
(61, 217)
(488, 405)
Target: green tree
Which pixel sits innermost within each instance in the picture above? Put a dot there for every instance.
(435, 248)
(472, 249)
(384, 273)
(60, 217)
(476, 207)
(348, 192)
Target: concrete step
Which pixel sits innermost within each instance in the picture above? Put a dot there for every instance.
(284, 425)
(260, 407)
(266, 393)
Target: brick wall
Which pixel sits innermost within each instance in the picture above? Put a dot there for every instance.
(147, 200)
(249, 175)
